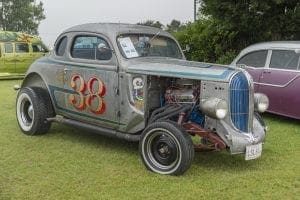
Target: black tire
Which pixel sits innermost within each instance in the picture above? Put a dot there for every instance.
(33, 107)
(166, 148)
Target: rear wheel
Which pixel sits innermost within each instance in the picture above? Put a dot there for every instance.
(33, 107)
(165, 148)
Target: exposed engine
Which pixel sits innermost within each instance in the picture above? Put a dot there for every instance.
(180, 103)
(180, 95)
(182, 92)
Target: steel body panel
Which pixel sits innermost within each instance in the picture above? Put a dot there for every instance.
(282, 88)
(177, 68)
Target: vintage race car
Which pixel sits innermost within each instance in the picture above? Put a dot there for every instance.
(132, 82)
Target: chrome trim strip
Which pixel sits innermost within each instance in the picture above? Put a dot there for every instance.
(251, 100)
(279, 86)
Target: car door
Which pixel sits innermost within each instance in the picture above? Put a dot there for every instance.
(1, 56)
(254, 62)
(281, 83)
(22, 57)
(91, 79)
(8, 56)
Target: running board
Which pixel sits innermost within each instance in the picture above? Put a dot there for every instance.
(96, 129)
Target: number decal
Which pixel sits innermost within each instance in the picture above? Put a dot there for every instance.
(93, 100)
(78, 100)
(97, 95)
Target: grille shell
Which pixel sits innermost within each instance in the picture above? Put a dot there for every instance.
(239, 102)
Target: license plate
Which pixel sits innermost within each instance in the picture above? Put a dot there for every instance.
(253, 151)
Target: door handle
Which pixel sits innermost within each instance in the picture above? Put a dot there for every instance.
(267, 72)
(66, 70)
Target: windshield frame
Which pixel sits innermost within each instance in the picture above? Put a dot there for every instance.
(151, 37)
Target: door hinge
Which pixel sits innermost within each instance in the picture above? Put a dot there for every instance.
(119, 114)
(117, 91)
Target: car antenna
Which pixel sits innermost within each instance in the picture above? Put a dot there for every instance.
(155, 36)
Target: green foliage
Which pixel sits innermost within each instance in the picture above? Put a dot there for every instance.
(208, 41)
(21, 15)
(227, 26)
(256, 20)
(175, 26)
(69, 163)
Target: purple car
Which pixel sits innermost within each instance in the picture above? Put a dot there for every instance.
(275, 69)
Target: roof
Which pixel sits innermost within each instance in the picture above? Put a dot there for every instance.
(115, 29)
(10, 36)
(283, 45)
(273, 45)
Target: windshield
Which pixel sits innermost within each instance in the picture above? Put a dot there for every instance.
(142, 45)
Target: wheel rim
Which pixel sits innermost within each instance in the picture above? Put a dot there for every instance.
(162, 151)
(25, 112)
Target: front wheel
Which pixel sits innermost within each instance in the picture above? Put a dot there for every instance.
(33, 107)
(166, 148)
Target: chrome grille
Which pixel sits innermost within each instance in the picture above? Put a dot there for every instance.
(239, 101)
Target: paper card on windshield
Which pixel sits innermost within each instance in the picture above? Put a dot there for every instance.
(128, 47)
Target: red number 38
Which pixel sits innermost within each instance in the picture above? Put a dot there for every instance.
(88, 95)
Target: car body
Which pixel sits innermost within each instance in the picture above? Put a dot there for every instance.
(18, 51)
(275, 68)
(133, 82)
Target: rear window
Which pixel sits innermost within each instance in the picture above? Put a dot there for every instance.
(254, 59)
(284, 59)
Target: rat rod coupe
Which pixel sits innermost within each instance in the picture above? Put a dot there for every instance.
(132, 82)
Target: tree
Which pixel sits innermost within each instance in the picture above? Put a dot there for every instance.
(256, 20)
(208, 41)
(152, 23)
(175, 26)
(228, 26)
(21, 15)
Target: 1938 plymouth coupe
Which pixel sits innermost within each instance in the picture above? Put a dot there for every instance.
(132, 82)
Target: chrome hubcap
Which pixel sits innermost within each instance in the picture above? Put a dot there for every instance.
(30, 111)
(27, 112)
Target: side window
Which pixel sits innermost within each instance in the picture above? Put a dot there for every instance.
(8, 47)
(254, 59)
(38, 48)
(61, 46)
(22, 48)
(284, 59)
(91, 47)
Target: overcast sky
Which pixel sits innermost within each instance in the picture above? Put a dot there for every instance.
(62, 14)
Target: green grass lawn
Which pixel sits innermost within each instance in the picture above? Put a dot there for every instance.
(69, 163)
